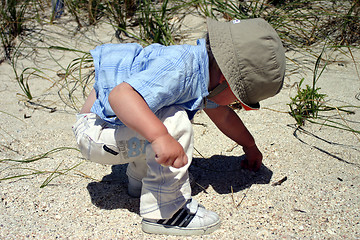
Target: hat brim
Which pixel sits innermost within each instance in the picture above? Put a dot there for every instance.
(252, 107)
(245, 106)
(250, 55)
(221, 46)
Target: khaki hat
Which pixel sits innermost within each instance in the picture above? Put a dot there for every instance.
(250, 56)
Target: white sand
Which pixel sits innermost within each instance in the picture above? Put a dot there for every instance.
(319, 200)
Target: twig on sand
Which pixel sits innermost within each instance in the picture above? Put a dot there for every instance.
(203, 188)
(280, 181)
(242, 199)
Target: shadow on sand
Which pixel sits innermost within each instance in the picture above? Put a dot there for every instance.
(224, 173)
(220, 172)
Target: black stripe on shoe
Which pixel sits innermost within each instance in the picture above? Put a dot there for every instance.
(170, 220)
(181, 218)
(187, 220)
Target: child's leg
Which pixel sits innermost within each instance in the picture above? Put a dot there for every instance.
(165, 204)
(166, 189)
(136, 171)
(108, 144)
(105, 143)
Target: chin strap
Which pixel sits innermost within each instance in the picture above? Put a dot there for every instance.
(218, 89)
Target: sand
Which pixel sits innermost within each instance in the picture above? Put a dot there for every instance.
(319, 199)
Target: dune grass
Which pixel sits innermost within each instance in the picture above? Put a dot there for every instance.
(21, 164)
(12, 20)
(309, 103)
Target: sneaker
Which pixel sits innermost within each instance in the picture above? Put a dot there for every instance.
(191, 219)
(134, 186)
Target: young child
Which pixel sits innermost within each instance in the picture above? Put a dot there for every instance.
(143, 98)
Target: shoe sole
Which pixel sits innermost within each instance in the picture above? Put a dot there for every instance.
(155, 228)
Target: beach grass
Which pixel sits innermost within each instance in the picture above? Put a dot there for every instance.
(309, 102)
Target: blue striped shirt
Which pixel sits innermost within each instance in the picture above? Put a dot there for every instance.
(162, 75)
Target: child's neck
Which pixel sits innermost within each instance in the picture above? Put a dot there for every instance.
(215, 74)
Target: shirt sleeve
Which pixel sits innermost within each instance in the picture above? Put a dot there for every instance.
(210, 104)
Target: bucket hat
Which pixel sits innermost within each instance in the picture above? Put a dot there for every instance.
(251, 57)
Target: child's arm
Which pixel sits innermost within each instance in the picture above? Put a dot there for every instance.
(89, 102)
(133, 111)
(232, 126)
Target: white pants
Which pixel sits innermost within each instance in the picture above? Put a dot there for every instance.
(164, 189)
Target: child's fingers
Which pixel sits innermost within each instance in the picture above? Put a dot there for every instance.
(257, 165)
(251, 165)
(177, 163)
(180, 162)
(162, 161)
(244, 164)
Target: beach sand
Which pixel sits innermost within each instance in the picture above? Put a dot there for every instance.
(319, 199)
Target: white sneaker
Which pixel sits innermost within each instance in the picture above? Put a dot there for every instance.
(191, 219)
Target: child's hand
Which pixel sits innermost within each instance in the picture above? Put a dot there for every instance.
(169, 152)
(253, 158)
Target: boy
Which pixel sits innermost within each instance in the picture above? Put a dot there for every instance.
(143, 98)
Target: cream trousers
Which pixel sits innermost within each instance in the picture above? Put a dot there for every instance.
(164, 189)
